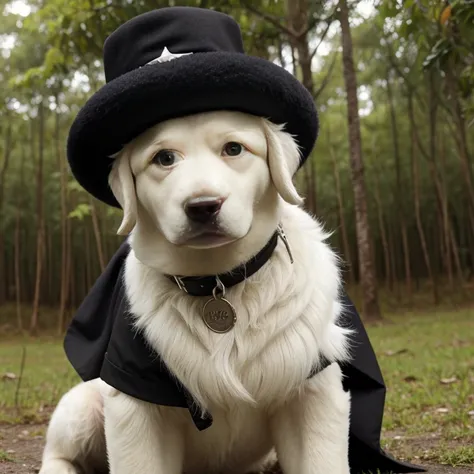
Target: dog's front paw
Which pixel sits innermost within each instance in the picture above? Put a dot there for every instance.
(58, 466)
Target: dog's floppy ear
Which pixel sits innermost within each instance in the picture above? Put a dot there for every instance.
(283, 161)
(123, 186)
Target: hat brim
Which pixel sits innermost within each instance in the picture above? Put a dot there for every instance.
(127, 106)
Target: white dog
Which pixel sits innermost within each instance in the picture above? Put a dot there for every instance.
(201, 195)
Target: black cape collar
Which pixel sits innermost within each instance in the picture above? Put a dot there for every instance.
(204, 285)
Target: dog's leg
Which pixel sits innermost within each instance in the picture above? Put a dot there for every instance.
(140, 438)
(311, 432)
(75, 436)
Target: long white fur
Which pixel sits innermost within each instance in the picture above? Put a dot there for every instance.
(253, 379)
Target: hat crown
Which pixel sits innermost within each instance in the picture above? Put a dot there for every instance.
(179, 29)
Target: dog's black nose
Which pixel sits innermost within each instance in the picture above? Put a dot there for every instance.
(203, 209)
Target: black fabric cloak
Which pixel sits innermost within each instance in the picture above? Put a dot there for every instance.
(100, 342)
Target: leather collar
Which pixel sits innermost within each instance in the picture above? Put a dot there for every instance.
(204, 285)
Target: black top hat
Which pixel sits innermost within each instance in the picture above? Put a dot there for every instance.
(173, 62)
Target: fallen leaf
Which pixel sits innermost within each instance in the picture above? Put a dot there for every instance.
(445, 15)
(392, 353)
(410, 378)
(9, 376)
(449, 380)
(442, 410)
(460, 343)
(470, 413)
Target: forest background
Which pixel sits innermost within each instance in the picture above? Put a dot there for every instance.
(391, 173)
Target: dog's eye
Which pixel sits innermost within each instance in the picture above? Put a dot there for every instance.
(165, 158)
(233, 149)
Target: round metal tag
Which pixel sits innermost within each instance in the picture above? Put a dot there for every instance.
(219, 315)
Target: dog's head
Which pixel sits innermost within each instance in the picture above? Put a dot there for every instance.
(204, 181)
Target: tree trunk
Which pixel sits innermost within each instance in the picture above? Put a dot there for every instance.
(461, 138)
(342, 222)
(293, 61)
(39, 225)
(88, 260)
(65, 251)
(383, 234)
(297, 12)
(73, 282)
(3, 172)
(470, 255)
(457, 261)
(392, 252)
(49, 268)
(68, 266)
(17, 244)
(17, 251)
(416, 198)
(281, 57)
(297, 18)
(399, 189)
(441, 191)
(97, 235)
(406, 259)
(371, 309)
(431, 160)
(452, 244)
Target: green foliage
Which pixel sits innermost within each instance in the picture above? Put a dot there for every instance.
(444, 32)
(57, 59)
(80, 212)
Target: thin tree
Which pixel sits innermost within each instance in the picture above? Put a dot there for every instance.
(383, 233)
(65, 241)
(371, 308)
(399, 188)
(17, 243)
(39, 225)
(97, 234)
(416, 199)
(7, 149)
(340, 209)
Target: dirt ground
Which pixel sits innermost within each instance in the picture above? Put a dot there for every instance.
(23, 445)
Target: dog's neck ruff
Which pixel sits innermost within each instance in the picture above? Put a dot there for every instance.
(206, 285)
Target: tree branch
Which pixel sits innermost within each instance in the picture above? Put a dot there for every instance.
(409, 85)
(314, 21)
(325, 81)
(323, 36)
(271, 19)
(286, 29)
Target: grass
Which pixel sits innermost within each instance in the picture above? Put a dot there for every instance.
(46, 376)
(461, 456)
(5, 457)
(428, 364)
(427, 360)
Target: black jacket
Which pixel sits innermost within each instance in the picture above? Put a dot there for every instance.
(100, 342)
